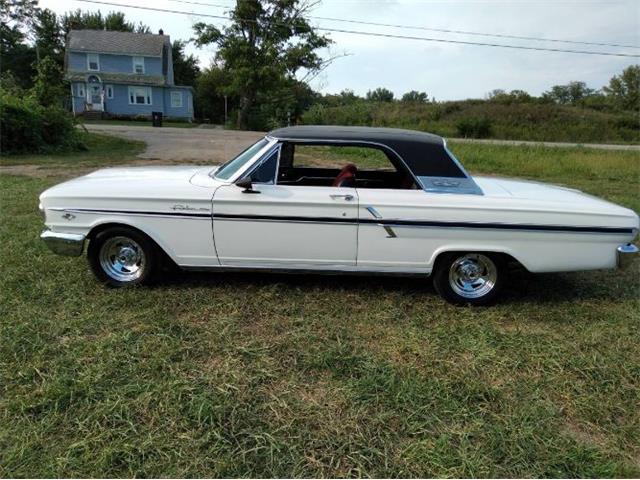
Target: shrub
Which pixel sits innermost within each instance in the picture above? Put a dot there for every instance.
(28, 127)
(474, 128)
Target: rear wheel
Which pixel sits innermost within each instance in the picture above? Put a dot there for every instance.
(469, 278)
(121, 256)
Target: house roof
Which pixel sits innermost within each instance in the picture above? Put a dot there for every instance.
(106, 41)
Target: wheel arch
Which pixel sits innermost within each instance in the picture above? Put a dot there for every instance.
(505, 253)
(162, 249)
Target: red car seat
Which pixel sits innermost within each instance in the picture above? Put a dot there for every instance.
(346, 177)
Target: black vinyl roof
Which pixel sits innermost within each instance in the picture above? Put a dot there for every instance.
(424, 153)
(370, 134)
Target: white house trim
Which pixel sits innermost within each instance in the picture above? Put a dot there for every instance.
(176, 99)
(90, 58)
(138, 62)
(140, 92)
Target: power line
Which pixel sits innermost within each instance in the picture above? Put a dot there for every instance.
(376, 34)
(442, 30)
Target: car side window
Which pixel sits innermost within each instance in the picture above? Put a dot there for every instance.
(266, 171)
(342, 165)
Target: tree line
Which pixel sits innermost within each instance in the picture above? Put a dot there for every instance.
(264, 61)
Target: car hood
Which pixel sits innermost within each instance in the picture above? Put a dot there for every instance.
(133, 182)
(160, 174)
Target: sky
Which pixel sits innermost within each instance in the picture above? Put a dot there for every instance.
(445, 71)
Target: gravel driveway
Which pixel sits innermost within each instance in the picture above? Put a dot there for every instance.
(207, 145)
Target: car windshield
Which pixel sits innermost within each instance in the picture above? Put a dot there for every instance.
(226, 171)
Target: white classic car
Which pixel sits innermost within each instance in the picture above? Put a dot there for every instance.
(273, 208)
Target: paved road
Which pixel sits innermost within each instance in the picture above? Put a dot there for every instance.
(218, 145)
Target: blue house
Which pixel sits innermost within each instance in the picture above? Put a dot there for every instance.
(118, 74)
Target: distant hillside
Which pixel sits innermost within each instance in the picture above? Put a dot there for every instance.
(486, 119)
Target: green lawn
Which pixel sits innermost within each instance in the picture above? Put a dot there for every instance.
(273, 375)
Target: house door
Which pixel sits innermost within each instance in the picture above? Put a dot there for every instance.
(94, 94)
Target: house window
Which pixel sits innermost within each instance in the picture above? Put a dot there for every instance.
(109, 89)
(176, 99)
(138, 64)
(81, 89)
(139, 95)
(93, 61)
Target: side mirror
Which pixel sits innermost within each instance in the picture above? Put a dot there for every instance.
(247, 185)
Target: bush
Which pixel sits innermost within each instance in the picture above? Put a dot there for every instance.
(474, 128)
(28, 127)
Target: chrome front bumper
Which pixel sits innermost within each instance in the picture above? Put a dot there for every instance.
(67, 244)
(625, 254)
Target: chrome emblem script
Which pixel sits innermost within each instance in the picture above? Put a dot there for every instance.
(68, 216)
(179, 206)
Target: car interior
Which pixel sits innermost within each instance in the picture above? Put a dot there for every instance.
(327, 165)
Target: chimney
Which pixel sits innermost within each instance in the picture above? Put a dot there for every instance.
(160, 32)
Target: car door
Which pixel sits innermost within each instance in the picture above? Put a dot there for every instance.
(387, 241)
(285, 226)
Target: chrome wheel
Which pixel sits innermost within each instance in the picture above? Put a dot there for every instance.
(473, 275)
(122, 259)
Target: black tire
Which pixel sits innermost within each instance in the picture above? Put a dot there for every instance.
(481, 282)
(140, 257)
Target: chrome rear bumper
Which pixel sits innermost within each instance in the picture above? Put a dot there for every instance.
(625, 254)
(67, 244)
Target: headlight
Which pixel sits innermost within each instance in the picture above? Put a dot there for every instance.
(42, 212)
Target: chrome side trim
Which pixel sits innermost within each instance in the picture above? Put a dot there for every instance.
(390, 232)
(387, 228)
(138, 213)
(625, 254)
(374, 212)
(327, 221)
(67, 244)
(395, 222)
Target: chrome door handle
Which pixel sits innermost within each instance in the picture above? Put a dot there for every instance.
(348, 197)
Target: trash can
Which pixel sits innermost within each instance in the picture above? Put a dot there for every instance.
(156, 118)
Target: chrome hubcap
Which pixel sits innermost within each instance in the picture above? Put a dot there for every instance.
(473, 275)
(122, 259)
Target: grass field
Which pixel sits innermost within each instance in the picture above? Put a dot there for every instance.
(274, 375)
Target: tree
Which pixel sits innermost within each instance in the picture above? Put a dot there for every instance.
(380, 94)
(267, 43)
(48, 36)
(415, 97)
(185, 67)
(624, 89)
(569, 94)
(347, 97)
(48, 88)
(115, 21)
(514, 96)
(16, 21)
(209, 94)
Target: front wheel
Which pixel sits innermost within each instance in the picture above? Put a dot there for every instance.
(121, 257)
(467, 278)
